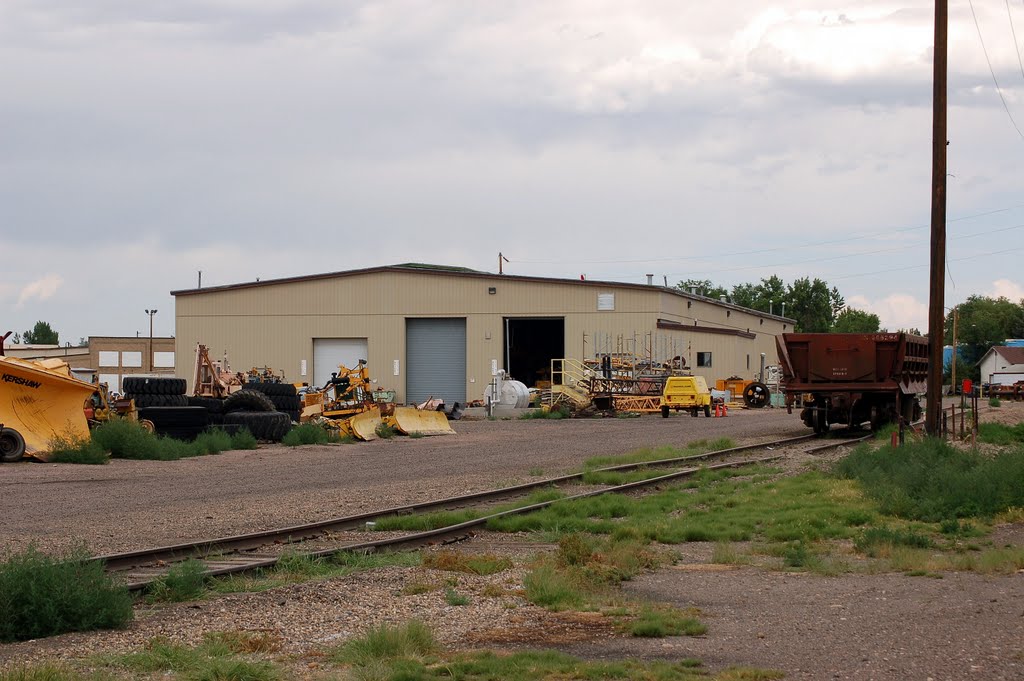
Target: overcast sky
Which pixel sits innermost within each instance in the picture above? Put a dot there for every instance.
(144, 140)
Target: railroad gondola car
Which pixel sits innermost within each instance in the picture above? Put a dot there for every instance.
(853, 378)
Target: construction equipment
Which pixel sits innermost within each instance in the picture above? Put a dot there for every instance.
(689, 393)
(413, 421)
(102, 409)
(214, 378)
(39, 402)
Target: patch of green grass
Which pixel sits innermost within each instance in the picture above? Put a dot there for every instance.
(932, 481)
(452, 597)
(43, 596)
(125, 439)
(306, 434)
(994, 402)
(616, 478)
(725, 553)
(292, 568)
(436, 519)
(46, 671)
(666, 621)
(411, 641)
(76, 450)
(386, 432)
(243, 439)
(872, 538)
(185, 581)
(554, 589)
(695, 448)
(1000, 433)
(213, 441)
(213, 660)
(535, 472)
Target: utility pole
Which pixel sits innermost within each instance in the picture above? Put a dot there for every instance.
(151, 313)
(936, 325)
(952, 365)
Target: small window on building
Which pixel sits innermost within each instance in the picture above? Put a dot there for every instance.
(131, 359)
(605, 301)
(703, 359)
(109, 358)
(163, 360)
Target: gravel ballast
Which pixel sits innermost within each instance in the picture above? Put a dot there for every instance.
(855, 626)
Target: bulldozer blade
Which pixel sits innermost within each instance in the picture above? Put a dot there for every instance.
(364, 425)
(42, 401)
(410, 420)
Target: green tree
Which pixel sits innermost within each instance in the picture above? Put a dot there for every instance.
(41, 334)
(704, 287)
(856, 321)
(766, 296)
(984, 322)
(812, 305)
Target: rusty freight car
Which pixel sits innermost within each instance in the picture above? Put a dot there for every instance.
(852, 378)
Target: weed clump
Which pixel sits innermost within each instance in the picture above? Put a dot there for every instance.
(243, 439)
(933, 481)
(76, 450)
(413, 640)
(309, 434)
(559, 411)
(43, 596)
(185, 581)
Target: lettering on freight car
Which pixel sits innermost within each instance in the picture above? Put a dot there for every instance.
(18, 380)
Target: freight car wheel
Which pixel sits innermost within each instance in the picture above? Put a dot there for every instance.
(819, 420)
(12, 445)
(756, 395)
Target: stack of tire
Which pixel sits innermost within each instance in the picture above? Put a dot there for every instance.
(257, 412)
(163, 401)
(282, 395)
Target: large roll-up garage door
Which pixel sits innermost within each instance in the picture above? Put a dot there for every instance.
(328, 353)
(435, 360)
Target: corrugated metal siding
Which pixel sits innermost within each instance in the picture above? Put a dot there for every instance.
(275, 325)
(436, 360)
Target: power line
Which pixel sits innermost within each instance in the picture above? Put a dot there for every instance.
(759, 251)
(992, 71)
(1013, 32)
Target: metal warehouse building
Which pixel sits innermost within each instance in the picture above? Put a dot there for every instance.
(446, 331)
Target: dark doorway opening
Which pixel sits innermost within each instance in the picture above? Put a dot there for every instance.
(530, 345)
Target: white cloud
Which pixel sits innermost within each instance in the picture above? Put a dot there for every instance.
(40, 289)
(1004, 288)
(895, 311)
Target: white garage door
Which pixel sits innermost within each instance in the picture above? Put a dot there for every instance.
(328, 353)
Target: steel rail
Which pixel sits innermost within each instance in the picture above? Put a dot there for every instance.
(304, 532)
(456, 532)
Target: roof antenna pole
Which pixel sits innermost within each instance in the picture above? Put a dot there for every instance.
(501, 258)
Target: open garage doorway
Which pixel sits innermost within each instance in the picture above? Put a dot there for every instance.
(530, 345)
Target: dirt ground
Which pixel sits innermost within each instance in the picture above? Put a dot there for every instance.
(859, 626)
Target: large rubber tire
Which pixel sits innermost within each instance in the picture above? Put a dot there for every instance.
(143, 400)
(214, 405)
(247, 400)
(757, 395)
(147, 385)
(171, 418)
(266, 425)
(275, 389)
(286, 402)
(664, 412)
(12, 445)
(707, 411)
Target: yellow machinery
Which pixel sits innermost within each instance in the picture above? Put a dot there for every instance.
(39, 401)
(213, 378)
(102, 409)
(349, 399)
(689, 393)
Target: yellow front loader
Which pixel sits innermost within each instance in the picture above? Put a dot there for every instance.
(39, 401)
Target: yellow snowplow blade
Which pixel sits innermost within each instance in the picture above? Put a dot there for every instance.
(41, 400)
(410, 420)
(364, 425)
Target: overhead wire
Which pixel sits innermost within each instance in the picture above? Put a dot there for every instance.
(1013, 32)
(999, 90)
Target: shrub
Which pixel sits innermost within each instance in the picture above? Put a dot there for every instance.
(932, 481)
(386, 432)
(185, 581)
(213, 441)
(552, 589)
(243, 439)
(306, 434)
(412, 640)
(452, 597)
(126, 440)
(76, 450)
(994, 402)
(43, 596)
(874, 537)
(456, 561)
(661, 622)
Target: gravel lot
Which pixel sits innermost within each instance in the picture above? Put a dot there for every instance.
(881, 626)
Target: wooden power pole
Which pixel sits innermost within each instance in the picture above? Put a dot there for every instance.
(937, 275)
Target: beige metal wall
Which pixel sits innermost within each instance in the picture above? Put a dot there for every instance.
(274, 324)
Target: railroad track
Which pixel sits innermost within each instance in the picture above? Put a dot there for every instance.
(240, 553)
